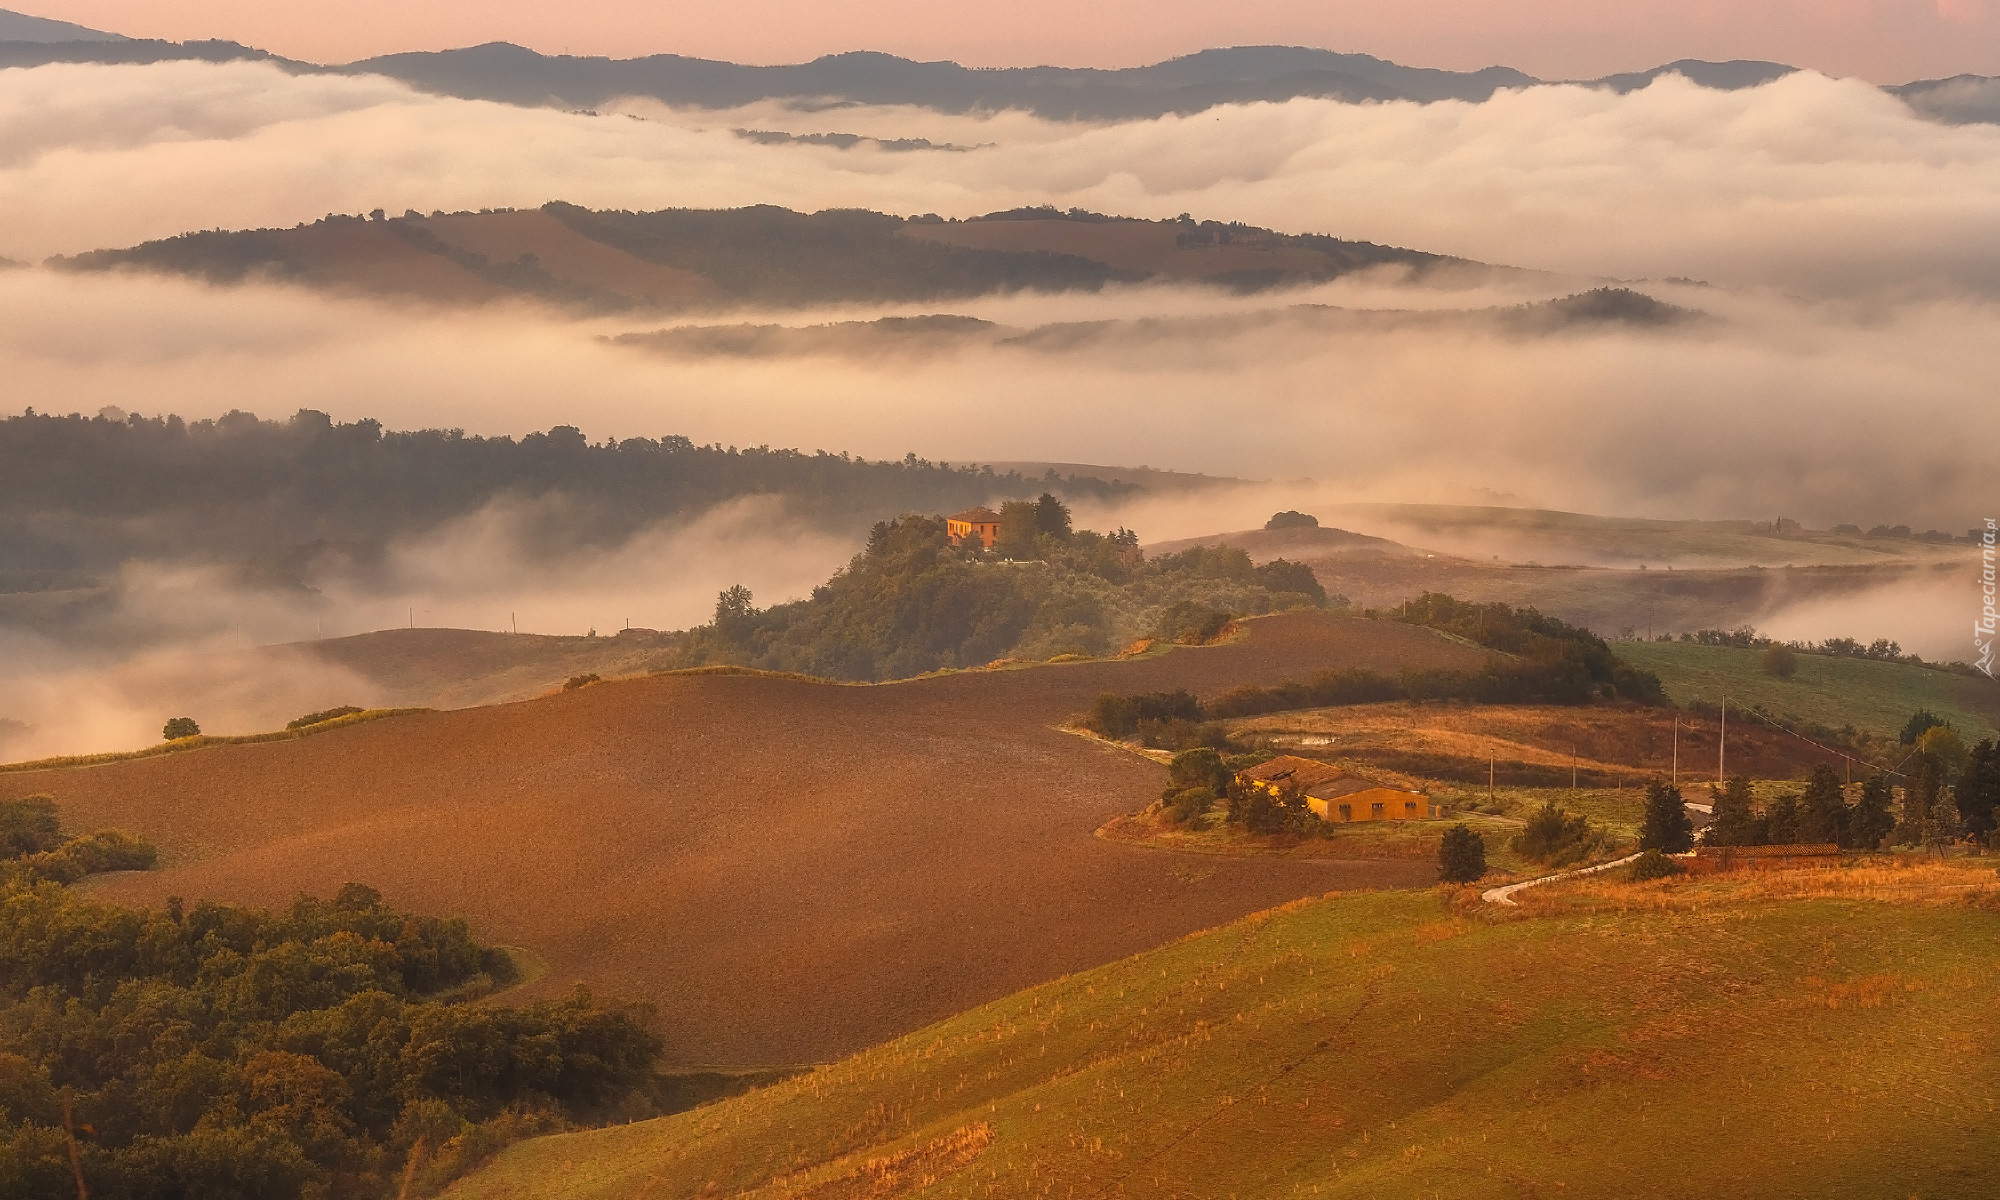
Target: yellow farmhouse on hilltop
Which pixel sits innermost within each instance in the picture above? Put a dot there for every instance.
(1337, 795)
(981, 521)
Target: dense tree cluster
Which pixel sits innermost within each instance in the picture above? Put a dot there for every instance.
(1567, 664)
(918, 600)
(223, 1053)
(1820, 815)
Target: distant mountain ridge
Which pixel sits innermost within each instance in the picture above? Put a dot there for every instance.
(510, 74)
(20, 27)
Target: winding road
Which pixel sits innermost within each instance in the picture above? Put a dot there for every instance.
(1505, 895)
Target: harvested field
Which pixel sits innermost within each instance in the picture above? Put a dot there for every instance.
(571, 257)
(370, 258)
(790, 870)
(1534, 744)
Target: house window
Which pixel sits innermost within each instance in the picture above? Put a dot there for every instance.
(1347, 812)
(1375, 811)
(1410, 809)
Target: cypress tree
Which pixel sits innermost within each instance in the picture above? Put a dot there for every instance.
(1667, 828)
(1871, 820)
(1823, 809)
(1462, 855)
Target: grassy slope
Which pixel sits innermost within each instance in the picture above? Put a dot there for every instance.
(1875, 697)
(1380, 1046)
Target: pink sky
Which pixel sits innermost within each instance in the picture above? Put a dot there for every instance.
(1881, 40)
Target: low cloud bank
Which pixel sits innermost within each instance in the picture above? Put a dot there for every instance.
(1807, 183)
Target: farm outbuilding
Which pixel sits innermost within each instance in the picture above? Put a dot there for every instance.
(1338, 795)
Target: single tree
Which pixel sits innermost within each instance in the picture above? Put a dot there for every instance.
(1920, 720)
(1823, 809)
(1921, 795)
(1667, 828)
(1978, 791)
(1782, 820)
(1781, 661)
(1020, 522)
(1052, 517)
(1735, 822)
(1199, 767)
(1872, 819)
(1462, 855)
(180, 727)
(734, 611)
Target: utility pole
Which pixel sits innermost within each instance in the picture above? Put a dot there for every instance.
(1722, 745)
(515, 622)
(1677, 753)
(1489, 777)
(1572, 768)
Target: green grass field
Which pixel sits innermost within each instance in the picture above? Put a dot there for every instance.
(1874, 697)
(1671, 1040)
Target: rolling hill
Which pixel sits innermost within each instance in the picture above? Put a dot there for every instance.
(1623, 577)
(687, 259)
(1819, 1035)
(1875, 697)
(790, 870)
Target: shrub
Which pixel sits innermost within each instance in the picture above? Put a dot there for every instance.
(345, 710)
(1654, 865)
(180, 727)
(1114, 716)
(1191, 623)
(1201, 766)
(580, 681)
(1292, 519)
(1462, 855)
(1184, 804)
(1557, 837)
(1179, 733)
(1781, 661)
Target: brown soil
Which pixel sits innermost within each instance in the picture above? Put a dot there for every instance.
(370, 258)
(571, 257)
(1532, 745)
(789, 870)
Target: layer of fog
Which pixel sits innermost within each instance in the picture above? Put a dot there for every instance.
(175, 639)
(1807, 183)
(1824, 413)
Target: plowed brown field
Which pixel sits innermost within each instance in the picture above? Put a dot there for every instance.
(789, 870)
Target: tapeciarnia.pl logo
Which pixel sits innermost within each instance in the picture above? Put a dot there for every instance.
(1982, 629)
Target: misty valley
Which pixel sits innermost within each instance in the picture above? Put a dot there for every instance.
(1269, 622)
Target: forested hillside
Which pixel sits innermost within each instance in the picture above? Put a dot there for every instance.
(915, 601)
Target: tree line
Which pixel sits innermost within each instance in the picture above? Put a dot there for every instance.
(82, 493)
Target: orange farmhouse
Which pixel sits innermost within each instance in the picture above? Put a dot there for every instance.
(1337, 795)
(981, 521)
